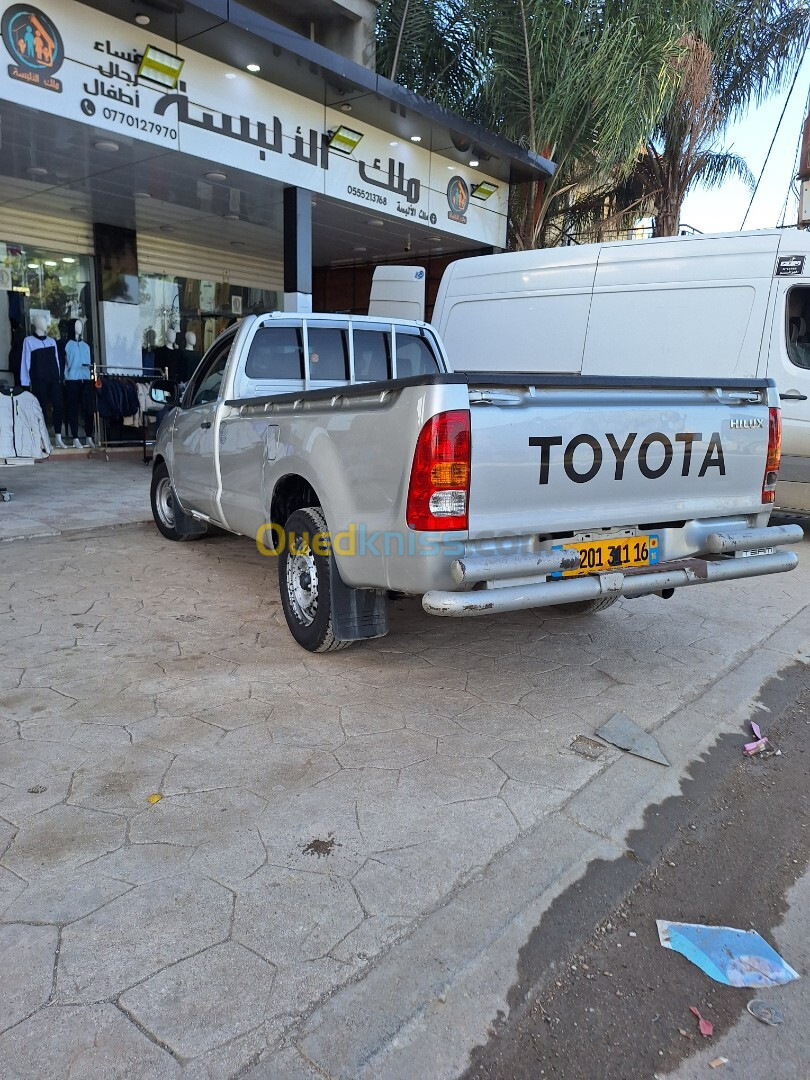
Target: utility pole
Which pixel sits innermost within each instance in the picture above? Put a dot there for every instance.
(804, 177)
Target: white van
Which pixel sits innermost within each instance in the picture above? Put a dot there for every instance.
(733, 305)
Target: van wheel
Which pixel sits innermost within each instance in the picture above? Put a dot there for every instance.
(304, 579)
(587, 607)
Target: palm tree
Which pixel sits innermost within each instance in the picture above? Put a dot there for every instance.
(733, 55)
(580, 81)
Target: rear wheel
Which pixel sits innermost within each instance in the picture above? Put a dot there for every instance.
(305, 570)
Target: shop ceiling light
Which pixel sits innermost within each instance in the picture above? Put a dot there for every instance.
(344, 139)
(33, 266)
(474, 163)
(160, 67)
(416, 138)
(142, 20)
(107, 145)
(67, 259)
(483, 191)
(142, 195)
(50, 262)
(375, 222)
(36, 170)
(217, 177)
(254, 68)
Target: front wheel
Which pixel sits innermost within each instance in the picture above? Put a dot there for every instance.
(587, 607)
(162, 495)
(305, 570)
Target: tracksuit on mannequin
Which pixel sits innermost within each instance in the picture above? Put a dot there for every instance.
(78, 387)
(40, 370)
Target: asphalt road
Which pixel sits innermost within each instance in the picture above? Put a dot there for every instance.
(616, 1005)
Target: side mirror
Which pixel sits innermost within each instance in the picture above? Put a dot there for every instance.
(164, 392)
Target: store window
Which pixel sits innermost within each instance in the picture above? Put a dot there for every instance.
(36, 281)
(191, 312)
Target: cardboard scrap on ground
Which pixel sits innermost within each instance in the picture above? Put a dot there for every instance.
(625, 733)
(727, 955)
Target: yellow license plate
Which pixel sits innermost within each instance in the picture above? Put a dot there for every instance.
(617, 553)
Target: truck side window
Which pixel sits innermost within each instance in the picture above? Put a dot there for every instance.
(276, 352)
(328, 354)
(372, 355)
(207, 380)
(798, 326)
(414, 356)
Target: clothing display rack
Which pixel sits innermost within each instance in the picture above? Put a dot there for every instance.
(100, 372)
(25, 440)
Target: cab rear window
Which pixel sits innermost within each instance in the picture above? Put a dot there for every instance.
(328, 353)
(372, 355)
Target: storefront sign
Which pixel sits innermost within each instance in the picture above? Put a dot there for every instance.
(235, 119)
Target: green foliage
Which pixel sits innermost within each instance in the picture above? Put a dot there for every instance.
(628, 97)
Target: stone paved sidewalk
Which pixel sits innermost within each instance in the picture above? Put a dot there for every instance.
(73, 490)
(312, 810)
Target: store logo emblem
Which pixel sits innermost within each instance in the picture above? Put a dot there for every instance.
(35, 46)
(458, 199)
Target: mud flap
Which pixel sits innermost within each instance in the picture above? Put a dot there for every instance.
(356, 613)
(185, 523)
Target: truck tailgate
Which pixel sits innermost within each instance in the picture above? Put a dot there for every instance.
(565, 455)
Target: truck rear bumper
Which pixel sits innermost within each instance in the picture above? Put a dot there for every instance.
(494, 597)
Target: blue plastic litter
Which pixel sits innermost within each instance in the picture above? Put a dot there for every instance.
(729, 956)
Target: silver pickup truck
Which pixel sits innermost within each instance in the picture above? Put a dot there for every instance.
(347, 447)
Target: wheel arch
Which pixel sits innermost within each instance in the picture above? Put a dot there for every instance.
(292, 492)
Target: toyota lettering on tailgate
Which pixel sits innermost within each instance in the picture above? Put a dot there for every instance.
(687, 449)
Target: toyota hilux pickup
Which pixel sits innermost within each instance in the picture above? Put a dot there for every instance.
(348, 448)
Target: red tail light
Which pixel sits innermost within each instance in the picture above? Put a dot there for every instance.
(439, 491)
(774, 455)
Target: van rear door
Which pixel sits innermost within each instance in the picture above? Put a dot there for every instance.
(564, 454)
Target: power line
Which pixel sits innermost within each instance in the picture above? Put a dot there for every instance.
(770, 148)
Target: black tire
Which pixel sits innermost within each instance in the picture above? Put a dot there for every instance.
(162, 496)
(587, 607)
(304, 580)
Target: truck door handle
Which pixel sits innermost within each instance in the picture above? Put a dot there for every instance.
(205, 424)
(793, 395)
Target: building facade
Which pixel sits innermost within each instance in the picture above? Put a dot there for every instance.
(168, 167)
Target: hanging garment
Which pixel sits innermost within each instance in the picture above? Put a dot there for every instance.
(117, 398)
(23, 433)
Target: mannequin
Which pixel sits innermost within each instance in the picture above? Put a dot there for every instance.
(190, 358)
(41, 373)
(167, 356)
(78, 386)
